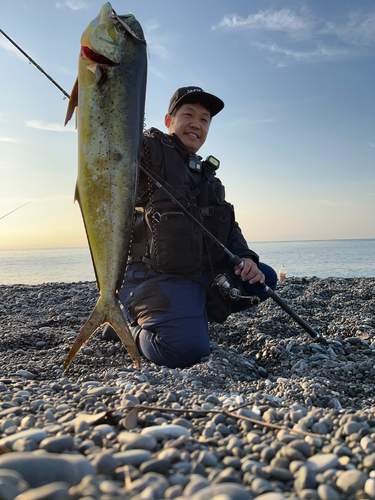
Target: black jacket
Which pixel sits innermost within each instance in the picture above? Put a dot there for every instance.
(201, 192)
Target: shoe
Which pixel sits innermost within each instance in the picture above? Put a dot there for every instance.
(110, 334)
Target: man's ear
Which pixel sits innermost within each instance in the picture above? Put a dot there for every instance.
(167, 120)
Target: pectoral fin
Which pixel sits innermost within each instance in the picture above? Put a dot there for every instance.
(73, 102)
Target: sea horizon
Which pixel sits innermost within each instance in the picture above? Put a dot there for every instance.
(249, 243)
(345, 258)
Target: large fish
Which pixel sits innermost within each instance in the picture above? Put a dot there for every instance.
(110, 95)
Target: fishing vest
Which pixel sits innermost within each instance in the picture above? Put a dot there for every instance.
(173, 242)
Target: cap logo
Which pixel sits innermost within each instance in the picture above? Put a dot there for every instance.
(194, 90)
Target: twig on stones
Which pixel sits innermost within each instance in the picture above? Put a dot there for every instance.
(226, 413)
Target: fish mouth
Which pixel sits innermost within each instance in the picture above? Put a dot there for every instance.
(96, 58)
(123, 21)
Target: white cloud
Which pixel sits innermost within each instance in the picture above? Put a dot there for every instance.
(157, 44)
(304, 37)
(73, 4)
(371, 144)
(8, 139)
(159, 74)
(359, 29)
(282, 20)
(54, 127)
(5, 44)
(320, 52)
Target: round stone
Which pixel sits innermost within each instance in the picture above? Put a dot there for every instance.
(322, 462)
(350, 481)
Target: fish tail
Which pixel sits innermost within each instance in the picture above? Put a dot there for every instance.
(118, 323)
(104, 313)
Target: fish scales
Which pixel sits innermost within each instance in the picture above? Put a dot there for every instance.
(110, 95)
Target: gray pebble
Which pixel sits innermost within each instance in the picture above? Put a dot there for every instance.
(271, 496)
(104, 429)
(8, 491)
(135, 440)
(173, 491)
(278, 473)
(322, 462)
(11, 484)
(132, 457)
(309, 494)
(109, 488)
(104, 463)
(260, 486)
(156, 483)
(207, 458)
(57, 444)
(25, 444)
(196, 484)
(160, 432)
(228, 475)
(101, 391)
(159, 465)
(39, 470)
(327, 492)
(253, 438)
(369, 487)
(129, 400)
(26, 374)
(170, 454)
(182, 468)
(305, 479)
(51, 491)
(36, 435)
(178, 479)
(369, 461)
(234, 491)
(350, 481)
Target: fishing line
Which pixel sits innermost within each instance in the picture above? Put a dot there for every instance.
(15, 210)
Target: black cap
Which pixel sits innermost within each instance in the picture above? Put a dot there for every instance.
(196, 94)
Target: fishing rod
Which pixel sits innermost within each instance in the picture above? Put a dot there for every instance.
(35, 64)
(239, 263)
(234, 258)
(15, 210)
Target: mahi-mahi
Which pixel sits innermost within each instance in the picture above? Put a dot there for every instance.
(109, 95)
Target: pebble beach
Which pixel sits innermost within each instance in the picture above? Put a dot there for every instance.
(271, 414)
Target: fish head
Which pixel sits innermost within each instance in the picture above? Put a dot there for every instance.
(105, 39)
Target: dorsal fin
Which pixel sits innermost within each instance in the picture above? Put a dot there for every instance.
(73, 102)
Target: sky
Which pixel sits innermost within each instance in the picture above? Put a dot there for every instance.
(296, 139)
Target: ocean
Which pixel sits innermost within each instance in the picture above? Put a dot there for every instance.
(320, 258)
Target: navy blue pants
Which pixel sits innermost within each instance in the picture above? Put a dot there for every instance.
(172, 326)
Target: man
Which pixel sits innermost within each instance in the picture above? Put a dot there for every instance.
(167, 294)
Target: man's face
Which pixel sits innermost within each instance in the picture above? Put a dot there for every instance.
(190, 124)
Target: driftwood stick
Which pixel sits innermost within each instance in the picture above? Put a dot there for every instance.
(226, 413)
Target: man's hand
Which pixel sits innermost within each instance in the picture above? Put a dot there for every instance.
(250, 272)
